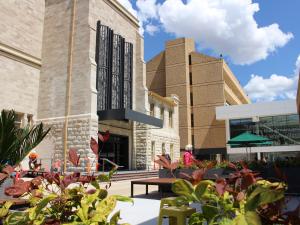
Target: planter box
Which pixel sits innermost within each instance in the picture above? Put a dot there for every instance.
(292, 174)
(210, 174)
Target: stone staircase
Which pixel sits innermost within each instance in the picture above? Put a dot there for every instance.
(134, 175)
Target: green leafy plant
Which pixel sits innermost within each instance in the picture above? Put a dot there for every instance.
(73, 199)
(4, 209)
(54, 202)
(242, 199)
(16, 143)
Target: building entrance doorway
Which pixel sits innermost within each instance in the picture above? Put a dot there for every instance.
(115, 150)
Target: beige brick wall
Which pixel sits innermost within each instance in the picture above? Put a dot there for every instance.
(177, 81)
(19, 86)
(53, 82)
(209, 78)
(21, 25)
(156, 74)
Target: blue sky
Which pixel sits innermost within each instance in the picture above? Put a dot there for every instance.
(259, 39)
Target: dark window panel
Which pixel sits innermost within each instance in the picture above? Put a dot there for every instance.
(114, 60)
(128, 75)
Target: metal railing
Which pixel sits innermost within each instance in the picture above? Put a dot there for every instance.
(110, 162)
(280, 134)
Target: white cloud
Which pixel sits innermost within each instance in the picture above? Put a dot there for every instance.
(127, 4)
(147, 9)
(274, 87)
(151, 29)
(226, 27)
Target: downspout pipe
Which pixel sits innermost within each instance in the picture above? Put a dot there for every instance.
(69, 82)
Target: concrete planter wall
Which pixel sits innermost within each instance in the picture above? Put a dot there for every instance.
(292, 174)
(210, 174)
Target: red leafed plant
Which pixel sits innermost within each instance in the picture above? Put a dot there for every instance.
(165, 163)
(94, 146)
(55, 201)
(196, 176)
(104, 138)
(74, 157)
(6, 171)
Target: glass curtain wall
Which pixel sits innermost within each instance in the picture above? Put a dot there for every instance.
(282, 130)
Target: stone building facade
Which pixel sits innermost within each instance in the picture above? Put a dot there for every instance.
(152, 141)
(50, 56)
(202, 83)
(20, 55)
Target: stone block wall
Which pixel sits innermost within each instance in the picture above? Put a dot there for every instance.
(18, 86)
(21, 25)
(168, 135)
(80, 131)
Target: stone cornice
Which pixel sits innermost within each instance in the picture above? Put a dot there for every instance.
(122, 9)
(167, 100)
(20, 56)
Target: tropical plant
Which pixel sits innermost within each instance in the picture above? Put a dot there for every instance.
(56, 199)
(242, 199)
(16, 143)
(73, 199)
(166, 164)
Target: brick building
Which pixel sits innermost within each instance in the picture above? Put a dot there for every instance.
(202, 82)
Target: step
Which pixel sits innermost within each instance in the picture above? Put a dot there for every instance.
(130, 175)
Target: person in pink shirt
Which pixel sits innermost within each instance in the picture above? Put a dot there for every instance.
(188, 156)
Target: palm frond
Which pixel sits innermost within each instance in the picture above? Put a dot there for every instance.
(16, 143)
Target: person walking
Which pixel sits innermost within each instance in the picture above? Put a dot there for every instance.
(188, 157)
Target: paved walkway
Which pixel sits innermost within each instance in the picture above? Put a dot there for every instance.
(142, 212)
(123, 188)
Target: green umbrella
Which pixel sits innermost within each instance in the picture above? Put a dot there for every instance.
(247, 139)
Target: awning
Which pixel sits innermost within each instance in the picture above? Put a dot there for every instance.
(248, 139)
(128, 114)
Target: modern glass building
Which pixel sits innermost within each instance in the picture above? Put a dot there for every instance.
(277, 121)
(281, 130)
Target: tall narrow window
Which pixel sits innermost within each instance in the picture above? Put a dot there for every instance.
(190, 60)
(192, 119)
(152, 109)
(170, 119)
(172, 152)
(152, 150)
(128, 75)
(162, 112)
(191, 78)
(193, 140)
(117, 72)
(103, 60)
(191, 99)
(163, 148)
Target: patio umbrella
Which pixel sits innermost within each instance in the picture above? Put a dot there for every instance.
(249, 140)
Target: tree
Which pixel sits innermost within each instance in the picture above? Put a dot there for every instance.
(16, 143)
